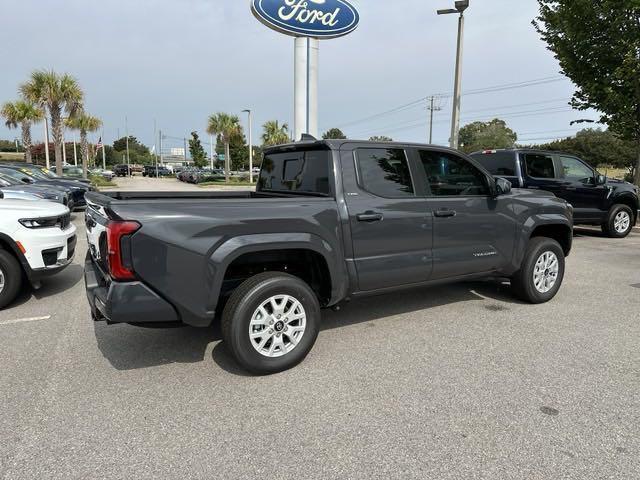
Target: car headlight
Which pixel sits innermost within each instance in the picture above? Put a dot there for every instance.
(39, 222)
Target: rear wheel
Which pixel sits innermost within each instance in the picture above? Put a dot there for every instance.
(271, 322)
(619, 222)
(542, 271)
(10, 278)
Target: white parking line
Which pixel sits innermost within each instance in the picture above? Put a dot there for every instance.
(23, 320)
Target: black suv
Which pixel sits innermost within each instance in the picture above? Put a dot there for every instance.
(122, 170)
(596, 199)
(152, 171)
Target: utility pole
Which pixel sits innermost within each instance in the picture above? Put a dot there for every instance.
(46, 141)
(185, 150)
(460, 7)
(432, 107)
(250, 146)
(104, 155)
(160, 138)
(126, 133)
(155, 144)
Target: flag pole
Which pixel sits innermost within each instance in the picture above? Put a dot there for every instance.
(104, 160)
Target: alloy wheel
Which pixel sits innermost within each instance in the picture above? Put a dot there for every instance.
(545, 272)
(277, 326)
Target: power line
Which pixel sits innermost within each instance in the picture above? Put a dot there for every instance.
(490, 89)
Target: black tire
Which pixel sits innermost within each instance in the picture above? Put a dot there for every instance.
(240, 308)
(523, 281)
(609, 226)
(12, 273)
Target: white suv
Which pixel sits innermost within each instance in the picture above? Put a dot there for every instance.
(37, 239)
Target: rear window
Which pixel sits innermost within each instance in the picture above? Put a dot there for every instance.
(299, 171)
(498, 163)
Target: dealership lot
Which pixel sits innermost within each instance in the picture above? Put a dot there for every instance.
(451, 382)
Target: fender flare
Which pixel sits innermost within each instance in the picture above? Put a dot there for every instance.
(5, 239)
(226, 253)
(530, 225)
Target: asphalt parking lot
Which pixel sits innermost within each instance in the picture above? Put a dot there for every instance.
(452, 382)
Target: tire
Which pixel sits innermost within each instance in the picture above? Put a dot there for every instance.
(278, 350)
(620, 222)
(10, 278)
(523, 282)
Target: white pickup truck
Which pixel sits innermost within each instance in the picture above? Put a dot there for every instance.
(37, 239)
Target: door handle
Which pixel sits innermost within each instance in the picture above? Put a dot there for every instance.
(370, 217)
(444, 213)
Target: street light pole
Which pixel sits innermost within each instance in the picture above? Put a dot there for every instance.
(460, 7)
(250, 146)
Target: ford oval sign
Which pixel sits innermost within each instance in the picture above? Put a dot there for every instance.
(307, 18)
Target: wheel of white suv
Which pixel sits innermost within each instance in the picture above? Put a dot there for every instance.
(619, 222)
(10, 278)
(541, 273)
(271, 322)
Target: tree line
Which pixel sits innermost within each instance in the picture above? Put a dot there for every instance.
(60, 97)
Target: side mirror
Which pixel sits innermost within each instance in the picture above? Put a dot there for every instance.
(503, 187)
(601, 180)
(27, 180)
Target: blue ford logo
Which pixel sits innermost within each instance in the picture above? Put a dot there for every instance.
(307, 18)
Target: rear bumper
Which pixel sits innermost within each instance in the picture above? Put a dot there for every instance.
(130, 302)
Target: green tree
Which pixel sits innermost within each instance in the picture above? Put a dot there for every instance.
(333, 133)
(226, 126)
(600, 148)
(134, 145)
(196, 150)
(597, 43)
(84, 123)
(275, 134)
(381, 138)
(24, 114)
(57, 94)
(238, 150)
(487, 135)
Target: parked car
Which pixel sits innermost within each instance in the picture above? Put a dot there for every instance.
(71, 171)
(33, 176)
(152, 171)
(15, 189)
(395, 216)
(75, 173)
(597, 200)
(122, 171)
(108, 175)
(37, 239)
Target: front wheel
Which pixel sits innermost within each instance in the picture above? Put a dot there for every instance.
(619, 222)
(271, 322)
(542, 271)
(10, 278)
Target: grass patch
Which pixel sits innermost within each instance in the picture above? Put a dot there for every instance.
(98, 181)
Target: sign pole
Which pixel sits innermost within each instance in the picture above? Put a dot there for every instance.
(313, 48)
(300, 88)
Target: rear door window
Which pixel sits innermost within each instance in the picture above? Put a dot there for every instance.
(498, 163)
(385, 172)
(539, 165)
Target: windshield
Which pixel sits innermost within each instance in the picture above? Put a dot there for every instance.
(6, 180)
(34, 172)
(298, 171)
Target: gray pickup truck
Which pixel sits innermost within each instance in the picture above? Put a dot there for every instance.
(330, 220)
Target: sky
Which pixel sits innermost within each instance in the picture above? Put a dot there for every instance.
(174, 63)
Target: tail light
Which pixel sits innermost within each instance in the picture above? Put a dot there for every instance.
(119, 249)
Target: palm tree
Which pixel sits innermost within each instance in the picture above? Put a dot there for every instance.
(84, 123)
(274, 134)
(24, 114)
(57, 94)
(226, 126)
